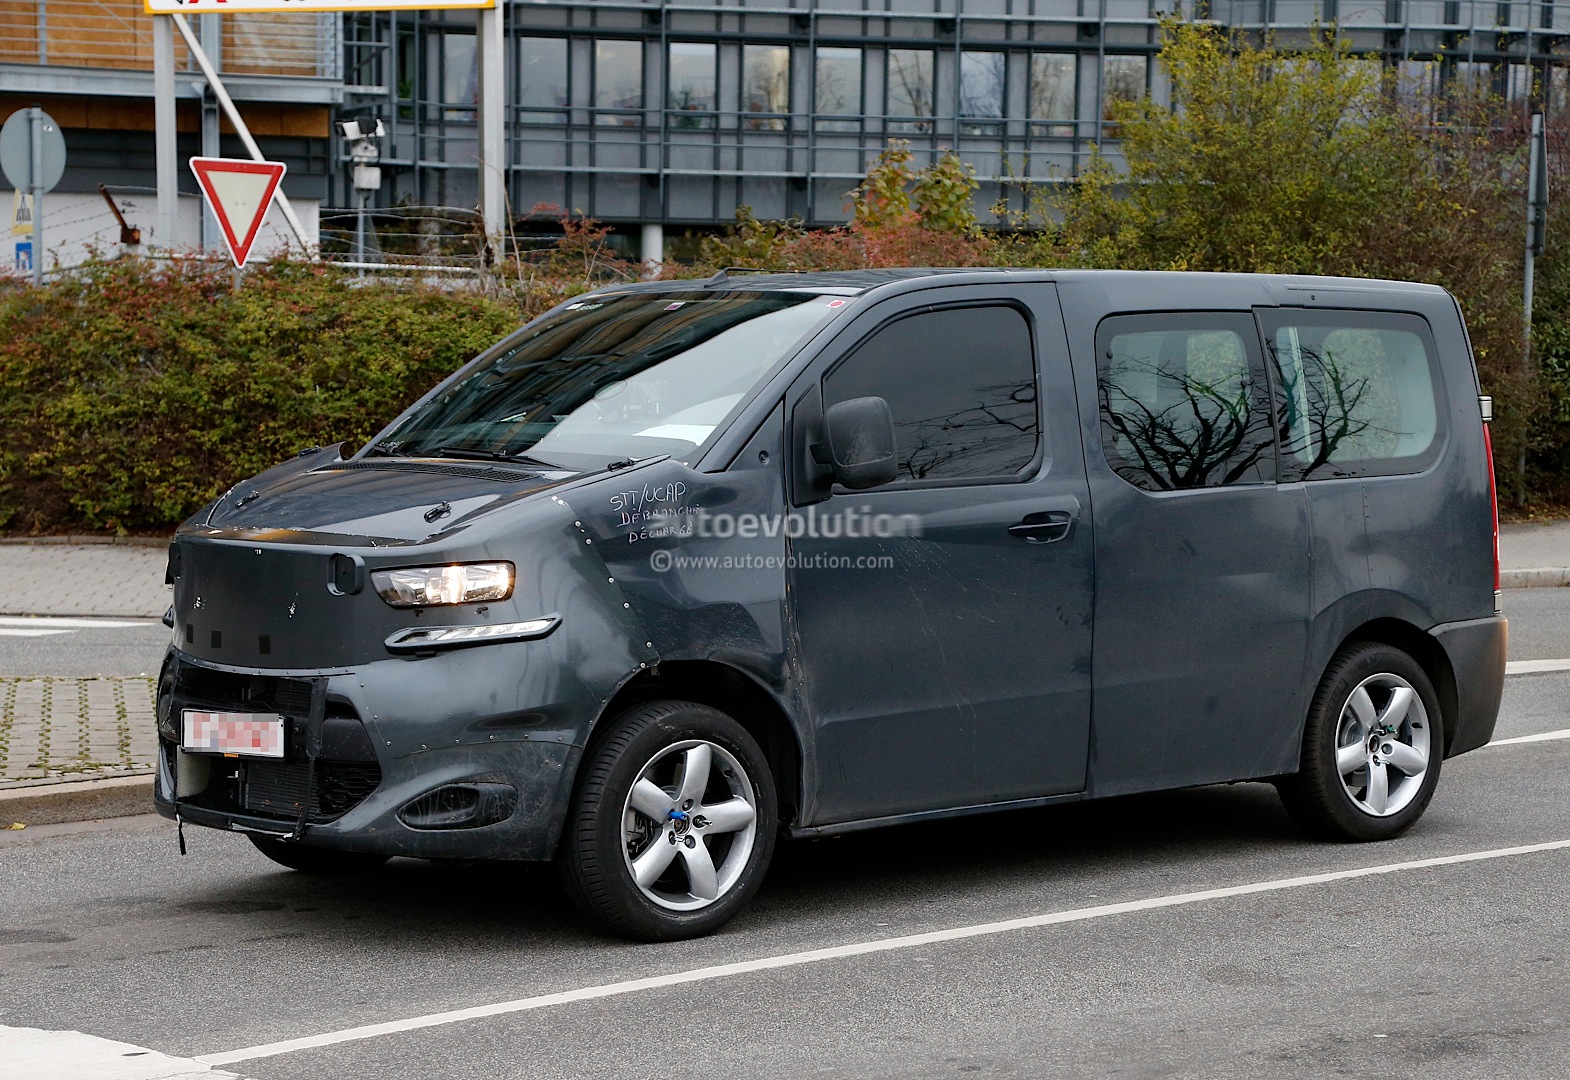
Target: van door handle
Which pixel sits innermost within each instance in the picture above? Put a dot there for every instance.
(1043, 528)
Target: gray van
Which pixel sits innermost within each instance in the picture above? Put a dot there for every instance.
(681, 568)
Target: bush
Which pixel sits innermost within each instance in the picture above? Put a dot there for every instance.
(134, 392)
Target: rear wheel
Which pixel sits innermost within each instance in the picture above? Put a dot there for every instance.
(1372, 747)
(673, 824)
(315, 860)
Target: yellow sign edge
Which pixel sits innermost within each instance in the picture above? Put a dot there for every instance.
(305, 7)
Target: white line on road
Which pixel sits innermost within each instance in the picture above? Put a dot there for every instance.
(1533, 667)
(46, 626)
(837, 952)
(1545, 736)
(52, 622)
(36, 1054)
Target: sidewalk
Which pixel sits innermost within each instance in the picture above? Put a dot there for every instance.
(65, 576)
(1534, 553)
(73, 748)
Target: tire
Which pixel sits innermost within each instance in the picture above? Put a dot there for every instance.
(1372, 747)
(324, 862)
(652, 855)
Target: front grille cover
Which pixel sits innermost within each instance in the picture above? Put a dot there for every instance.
(233, 691)
(277, 788)
(347, 771)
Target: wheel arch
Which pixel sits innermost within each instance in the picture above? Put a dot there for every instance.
(734, 693)
(1421, 647)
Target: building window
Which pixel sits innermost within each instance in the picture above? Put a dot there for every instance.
(618, 81)
(690, 86)
(961, 387)
(1053, 77)
(1123, 78)
(837, 88)
(981, 83)
(910, 90)
(460, 77)
(1183, 401)
(765, 86)
(542, 80)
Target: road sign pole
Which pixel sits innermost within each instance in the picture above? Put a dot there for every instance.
(165, 153)
(1536, 225)
(222, 94)
(493, 128)
(35, 125)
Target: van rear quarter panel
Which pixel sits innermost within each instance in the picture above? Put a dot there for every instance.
(1419, 545)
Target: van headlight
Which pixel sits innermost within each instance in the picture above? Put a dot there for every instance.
(433, 586)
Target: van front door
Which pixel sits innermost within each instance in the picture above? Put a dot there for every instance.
(942, 621)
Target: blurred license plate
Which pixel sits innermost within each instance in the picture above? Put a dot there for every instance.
(246, 734)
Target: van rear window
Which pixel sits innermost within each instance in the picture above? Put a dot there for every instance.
(1356, 392)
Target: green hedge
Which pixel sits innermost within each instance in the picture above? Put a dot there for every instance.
(133, 392)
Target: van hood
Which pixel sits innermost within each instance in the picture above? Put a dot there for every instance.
(394, 500)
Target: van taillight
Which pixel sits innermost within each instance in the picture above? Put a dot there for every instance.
(1493, 498)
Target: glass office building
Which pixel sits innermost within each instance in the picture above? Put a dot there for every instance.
(675, 113)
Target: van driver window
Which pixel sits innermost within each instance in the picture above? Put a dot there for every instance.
(961, 385)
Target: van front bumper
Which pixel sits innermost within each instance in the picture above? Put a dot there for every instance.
(455, 771)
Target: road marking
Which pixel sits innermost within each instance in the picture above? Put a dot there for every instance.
(71, 623)
(35, 1054)
(1546, 736)
(839, 952)
(1532, 667)
(44, 626)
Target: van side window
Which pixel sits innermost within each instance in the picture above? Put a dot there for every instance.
(1183, 400)
(1356, 392)
(961, 385)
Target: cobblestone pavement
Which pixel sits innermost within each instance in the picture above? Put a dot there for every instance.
(63, 728)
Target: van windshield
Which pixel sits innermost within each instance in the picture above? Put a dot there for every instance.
(613, 378)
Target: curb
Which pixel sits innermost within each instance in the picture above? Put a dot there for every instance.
(1535, 577)
(76, 541)
(77, 800)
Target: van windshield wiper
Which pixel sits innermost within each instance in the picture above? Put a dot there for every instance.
(476, 454)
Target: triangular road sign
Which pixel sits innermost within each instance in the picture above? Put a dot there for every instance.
(239, 193)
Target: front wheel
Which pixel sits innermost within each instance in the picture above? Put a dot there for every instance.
(673, 823)
(1372, 747)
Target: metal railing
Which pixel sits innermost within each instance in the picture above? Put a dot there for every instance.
(118, 34)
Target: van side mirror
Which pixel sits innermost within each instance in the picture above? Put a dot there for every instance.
(861, 442)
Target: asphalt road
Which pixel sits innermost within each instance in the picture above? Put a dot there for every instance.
(1455, 969)
(78, 647)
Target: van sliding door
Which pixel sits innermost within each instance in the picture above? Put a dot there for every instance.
(1202, 560)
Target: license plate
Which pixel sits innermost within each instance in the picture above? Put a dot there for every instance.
(245, 734)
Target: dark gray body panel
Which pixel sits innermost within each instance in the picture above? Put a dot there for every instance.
(1171, 639)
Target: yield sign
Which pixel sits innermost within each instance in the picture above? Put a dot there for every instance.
(239, 193)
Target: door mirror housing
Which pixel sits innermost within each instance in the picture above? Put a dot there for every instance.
(861, 442)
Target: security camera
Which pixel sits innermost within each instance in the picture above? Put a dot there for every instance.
(355, 130)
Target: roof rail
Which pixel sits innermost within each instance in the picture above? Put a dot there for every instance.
(723, 273)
